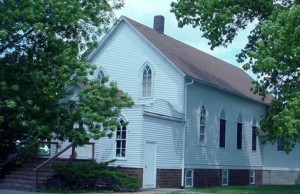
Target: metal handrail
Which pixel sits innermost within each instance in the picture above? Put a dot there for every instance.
(36, 170)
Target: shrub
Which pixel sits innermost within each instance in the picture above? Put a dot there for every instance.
(95, 176)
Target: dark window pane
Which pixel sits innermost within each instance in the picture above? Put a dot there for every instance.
(222, 133)
(239, 136)
(118, 151)
(280, 145)
(202, 128)
(118, 144)
(118, 134)
(123, 143)
(254, 138)
(123, 134)
(123, 153)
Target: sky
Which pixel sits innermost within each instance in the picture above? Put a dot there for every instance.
(143, 11)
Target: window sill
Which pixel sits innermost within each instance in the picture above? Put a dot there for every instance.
(120, 159)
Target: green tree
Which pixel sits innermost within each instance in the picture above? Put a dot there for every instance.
(43, 45)
(272, 51)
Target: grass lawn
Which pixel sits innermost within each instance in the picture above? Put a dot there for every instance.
(255, 189)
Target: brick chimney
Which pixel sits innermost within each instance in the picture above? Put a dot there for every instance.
(159, 23)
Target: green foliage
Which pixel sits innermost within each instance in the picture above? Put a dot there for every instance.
(42, 49)
(272, 51)
(94, 176)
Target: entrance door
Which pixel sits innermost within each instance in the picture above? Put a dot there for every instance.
(149, 179)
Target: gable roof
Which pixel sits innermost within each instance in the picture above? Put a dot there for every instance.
(199, 65)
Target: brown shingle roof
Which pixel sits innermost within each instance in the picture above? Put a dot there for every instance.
(199, 65)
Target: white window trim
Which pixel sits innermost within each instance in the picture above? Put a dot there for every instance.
(240, 121)
(141, 81)
(185, 177)
(126, 144)
(252, 176)
(227, 175)
(98, 71)
(200, 125)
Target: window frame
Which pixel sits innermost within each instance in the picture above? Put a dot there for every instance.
(254, 135)
(239, 133)
(252, 177)
(121, 140)
(222, 130)
(254, 139)
(280, 145)
(101, 72)
(202, 125)
(225, 178)
(149, 84)
(191, 177)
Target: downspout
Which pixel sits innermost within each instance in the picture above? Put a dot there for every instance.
(183, 132)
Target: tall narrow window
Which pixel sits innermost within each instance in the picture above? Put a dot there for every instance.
(202, 125)
(100, 76)
(222, 129)
(239, 133)
(254, 135)
(121, 140)
(147, 82)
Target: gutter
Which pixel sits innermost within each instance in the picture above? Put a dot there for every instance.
(183, 132)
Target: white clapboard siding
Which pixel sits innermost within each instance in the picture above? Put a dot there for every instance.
(279, 160)
(210, 155)
(167, 135)
(122, 58)
(134, 142)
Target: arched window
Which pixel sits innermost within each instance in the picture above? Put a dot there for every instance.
(222, 129)
(239, 132)
(202, 120)
(147, 82)
(100, 76)
(121, 134)
(254, 127)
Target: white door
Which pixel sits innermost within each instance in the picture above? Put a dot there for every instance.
(149, 179)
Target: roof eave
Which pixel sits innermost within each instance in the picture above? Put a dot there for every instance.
(104, 39)
(154, 47)
(229, 91)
